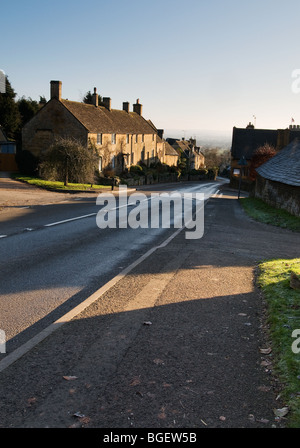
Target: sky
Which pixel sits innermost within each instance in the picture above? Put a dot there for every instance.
(194, 64)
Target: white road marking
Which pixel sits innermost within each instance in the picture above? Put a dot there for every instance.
(29, 345)
(70, 219)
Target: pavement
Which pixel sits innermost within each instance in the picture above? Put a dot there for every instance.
(15, 194)
(175, 343)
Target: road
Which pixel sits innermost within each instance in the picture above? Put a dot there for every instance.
(53, 257)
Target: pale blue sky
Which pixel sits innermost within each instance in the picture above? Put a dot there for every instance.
(193, 64)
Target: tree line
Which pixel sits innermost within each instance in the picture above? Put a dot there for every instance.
(14, 114)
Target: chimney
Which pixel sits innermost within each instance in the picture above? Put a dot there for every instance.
(107, 103)
(160, 133)
(137, 108)
(95, 97)
(55, 89)
(126, 106)
(250, 126)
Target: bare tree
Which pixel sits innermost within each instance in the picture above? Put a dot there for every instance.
(67, 160)
(216, 157)
(260, 156)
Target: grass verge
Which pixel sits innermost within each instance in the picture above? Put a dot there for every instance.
(59, 186)
(283, 317)
(262, 212)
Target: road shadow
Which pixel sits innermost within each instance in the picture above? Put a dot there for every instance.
(188, 364)
(231, 239)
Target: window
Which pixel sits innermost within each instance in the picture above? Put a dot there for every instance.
(132, 158)
(127, 138)
(112, 162)
(99, 139)
(152, 154)
(113, 139)
(136, 138)
(143, 138)
(100, 164)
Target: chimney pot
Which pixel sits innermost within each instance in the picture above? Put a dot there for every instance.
(95, 97)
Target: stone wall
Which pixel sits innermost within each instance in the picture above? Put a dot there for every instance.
(51, 121)
(134, 147)
(278, 195)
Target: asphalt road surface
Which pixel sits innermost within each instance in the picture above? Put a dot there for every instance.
(54, 256)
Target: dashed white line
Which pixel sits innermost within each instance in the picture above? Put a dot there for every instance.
(70, 219)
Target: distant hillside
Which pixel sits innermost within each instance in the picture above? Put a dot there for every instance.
(219, 139)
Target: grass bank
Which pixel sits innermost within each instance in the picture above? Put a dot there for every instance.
(59, 186)
(262, 212)
(283, 318)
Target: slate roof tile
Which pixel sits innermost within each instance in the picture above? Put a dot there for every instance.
(284, 167)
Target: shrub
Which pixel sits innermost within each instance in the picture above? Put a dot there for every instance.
(260, 156)
(67, 160)
(136, 169)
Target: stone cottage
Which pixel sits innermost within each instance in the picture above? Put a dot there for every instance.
(245, 141)
(122, 137)
(190, 151)
(278, 180)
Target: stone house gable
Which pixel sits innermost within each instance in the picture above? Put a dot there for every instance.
(166, 153)
(51, 121)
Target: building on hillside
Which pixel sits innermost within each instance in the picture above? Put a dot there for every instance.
(278, 180)
(165, 152)
(122, 138)
(190, 151)
(7, 153)
(245, 141)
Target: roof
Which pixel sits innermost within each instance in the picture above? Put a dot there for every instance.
(99, 119)
(284, 167)
(169, 150)
(246, 141)
(183, 145)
